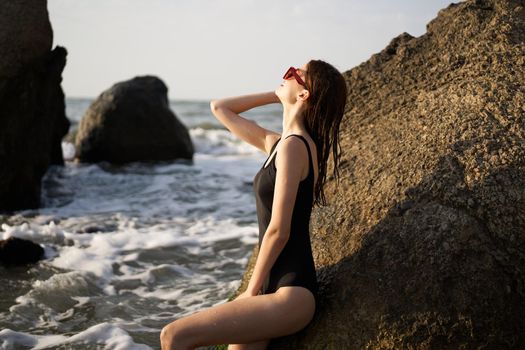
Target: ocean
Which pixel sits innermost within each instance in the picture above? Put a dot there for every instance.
(130, 248)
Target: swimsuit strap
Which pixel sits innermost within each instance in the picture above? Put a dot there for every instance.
(275, 144)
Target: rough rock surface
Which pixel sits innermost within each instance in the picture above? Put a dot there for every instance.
(130, 122)
(18, 251)
(26, 34)
(32, 109)
(422, 244)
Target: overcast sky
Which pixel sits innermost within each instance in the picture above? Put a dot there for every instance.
(205, 49)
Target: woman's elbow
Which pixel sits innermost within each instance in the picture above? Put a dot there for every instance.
(280, 236)
(213, 105)
(217, 104)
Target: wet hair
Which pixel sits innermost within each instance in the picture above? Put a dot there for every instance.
(324, 110)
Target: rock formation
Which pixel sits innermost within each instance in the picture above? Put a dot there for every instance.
(130, 122)
(32, 109)
(18, 251)
(422, 244)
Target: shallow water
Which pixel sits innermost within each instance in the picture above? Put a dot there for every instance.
(130, 248)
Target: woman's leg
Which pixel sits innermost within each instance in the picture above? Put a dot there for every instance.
(261, 345)
(243, 321)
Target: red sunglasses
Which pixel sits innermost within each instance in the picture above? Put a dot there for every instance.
(292, 72)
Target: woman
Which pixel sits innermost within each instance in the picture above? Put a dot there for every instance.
(281, 296)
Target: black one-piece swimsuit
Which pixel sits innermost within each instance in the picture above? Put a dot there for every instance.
(295, 264)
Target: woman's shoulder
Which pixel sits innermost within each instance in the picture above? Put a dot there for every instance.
(296, 152)
(305, 137)
(293, 150)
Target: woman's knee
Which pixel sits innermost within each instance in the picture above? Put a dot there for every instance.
(166, 338)
(174, 336)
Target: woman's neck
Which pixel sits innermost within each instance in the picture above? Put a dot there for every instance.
(292, 120)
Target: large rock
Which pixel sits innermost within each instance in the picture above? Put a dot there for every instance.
(26, 35)
(32, 109)
(17, 251)
(422, 245)
(130, 122)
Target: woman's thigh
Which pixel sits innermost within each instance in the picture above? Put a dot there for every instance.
(247, 320)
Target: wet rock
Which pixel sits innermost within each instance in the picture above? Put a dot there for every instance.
(32, 108)
(422, 244)
(17, 251)
(130, 122)
(97, 228)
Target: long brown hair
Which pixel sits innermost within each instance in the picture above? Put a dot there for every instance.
(324, 110)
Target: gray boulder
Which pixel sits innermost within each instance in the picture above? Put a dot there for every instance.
(32, 108)
(422, 243)
(131, 122)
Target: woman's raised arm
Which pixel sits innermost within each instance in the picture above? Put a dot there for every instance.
(227, 111)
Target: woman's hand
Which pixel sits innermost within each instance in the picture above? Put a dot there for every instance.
(245, 294)
(226, 111)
